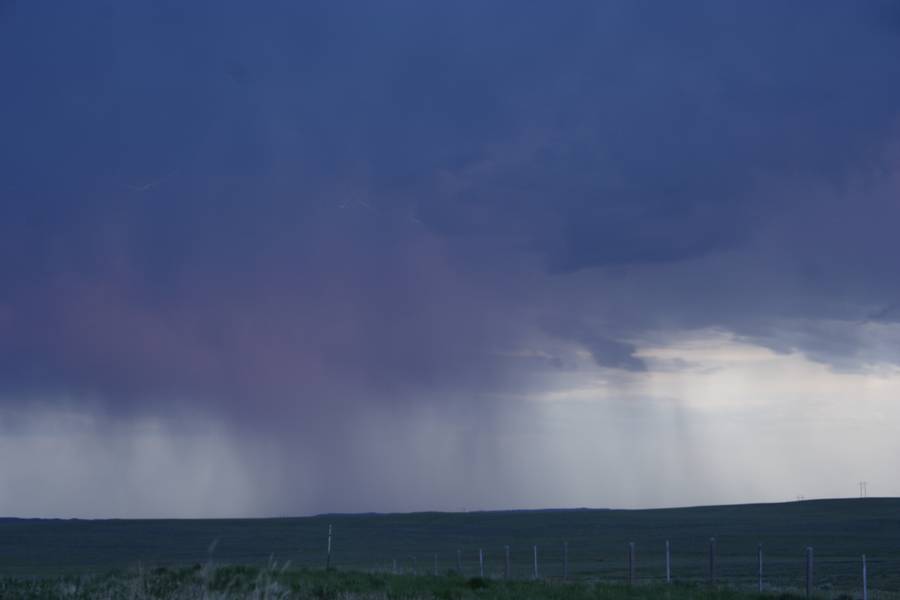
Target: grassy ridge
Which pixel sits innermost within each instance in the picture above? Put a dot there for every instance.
(839, 530)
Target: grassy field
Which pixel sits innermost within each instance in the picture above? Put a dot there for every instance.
(839, 530)
(273, 582)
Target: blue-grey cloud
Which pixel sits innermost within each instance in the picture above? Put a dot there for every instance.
(311, 207)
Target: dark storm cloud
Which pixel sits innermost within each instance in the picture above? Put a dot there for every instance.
(304, 205)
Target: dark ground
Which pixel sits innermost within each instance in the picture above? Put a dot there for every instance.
(839, 531)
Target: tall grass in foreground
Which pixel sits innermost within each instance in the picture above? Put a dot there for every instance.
(276, 582)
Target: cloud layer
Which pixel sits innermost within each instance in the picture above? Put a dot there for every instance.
(300, 219)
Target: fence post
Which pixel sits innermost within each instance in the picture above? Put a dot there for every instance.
(565, 561)
(668, 563)
(394, 567)
(809, 571)
(712, 561)
(629, 563)
(865, 579)
(759, 567)
(535, 562)
(506, 572)
(328, 556)
(480, 562)
(459, 561)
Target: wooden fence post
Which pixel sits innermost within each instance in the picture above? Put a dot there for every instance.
(481, 563)
(535, 562)
(668, 563)
(459, 561)
(712, 561)
(865, 579)
(759, 568)
(629, 561)
(328, 556)
(506, 571)
(809, 571)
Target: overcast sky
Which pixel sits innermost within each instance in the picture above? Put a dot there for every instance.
(296, 257)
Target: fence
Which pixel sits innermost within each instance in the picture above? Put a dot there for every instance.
(804, 574)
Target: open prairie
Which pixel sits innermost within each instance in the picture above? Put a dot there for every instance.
(839, 531)
(273, 582)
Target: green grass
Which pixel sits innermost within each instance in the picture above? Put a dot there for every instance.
(272, 582)
(839, 530)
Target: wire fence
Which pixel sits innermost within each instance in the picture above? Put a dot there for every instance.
(805, 574)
